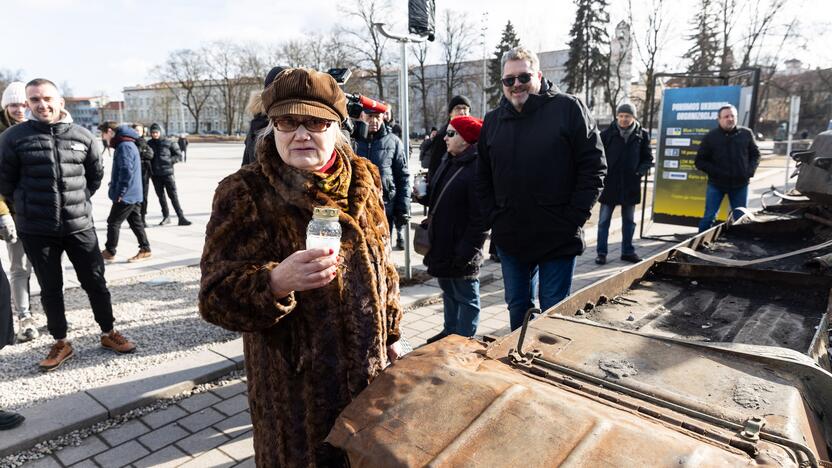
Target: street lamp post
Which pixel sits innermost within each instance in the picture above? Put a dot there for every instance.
(483, 31)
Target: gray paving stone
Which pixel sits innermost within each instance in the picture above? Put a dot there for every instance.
(214, 458)
(232, 405)
(51, 419)
(232, 350)
(167, 457)
(122, 455)
(202, 441)
(163, 436)
(199, 402)
(240, 448)
(157, 419)
(229, 390)
(88, 463)
(127, 431)
(235, 425)
(249, 463)
(161, 382)
(45, 462)
(201, 420)
(90, 446)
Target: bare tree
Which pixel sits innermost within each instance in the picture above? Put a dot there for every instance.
(616, 61)
(185, 73)
(727, 12)
(649, 46)
(8, 76)
(761, 20)
(226, 72)
(366, 44)
(457, 39)
(421, 82)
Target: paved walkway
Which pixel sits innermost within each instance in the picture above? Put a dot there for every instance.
(213, 428)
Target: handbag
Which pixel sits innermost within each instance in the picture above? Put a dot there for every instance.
(421, 236)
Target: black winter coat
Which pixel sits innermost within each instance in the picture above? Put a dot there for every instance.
(627, 162)
(386, 151)
(438, 149)
(145, 151)
(729, 158)
(50, 171)
(259, 122)
(166, 153)
(540, 172)
(457, 229)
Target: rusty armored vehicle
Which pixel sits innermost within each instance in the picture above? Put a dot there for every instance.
(712, 353)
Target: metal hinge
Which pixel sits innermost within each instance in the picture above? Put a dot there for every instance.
(752, 428)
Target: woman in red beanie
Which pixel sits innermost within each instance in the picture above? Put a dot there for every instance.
(457, 229)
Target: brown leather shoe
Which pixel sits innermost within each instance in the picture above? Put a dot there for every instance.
(60, 352)
(109, 257)
(143, 255)
(115, 341)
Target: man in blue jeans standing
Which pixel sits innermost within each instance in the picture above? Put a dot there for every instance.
(729, 156)
(540, 171)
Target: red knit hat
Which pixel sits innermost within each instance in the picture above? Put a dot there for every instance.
(468, 127)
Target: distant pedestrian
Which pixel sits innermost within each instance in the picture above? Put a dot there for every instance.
(146, 157)
(457, 229)
(541, 170)
(457, 106)
(627, 148)
(125, 190)
(386, 151)
(260, 120)
(424, 148)
(183, 146)
(729, 156)
(166, 153)
(49, 168)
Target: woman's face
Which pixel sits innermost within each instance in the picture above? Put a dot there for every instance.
(456, 144)
(17, 112)
(302, 148)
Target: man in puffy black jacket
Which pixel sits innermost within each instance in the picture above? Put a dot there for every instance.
(541, 170)
(386, 151)
(49, 168)
(146, 158)
(165, 154)
(729, 155)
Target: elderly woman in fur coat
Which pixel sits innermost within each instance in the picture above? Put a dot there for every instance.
(317, 327)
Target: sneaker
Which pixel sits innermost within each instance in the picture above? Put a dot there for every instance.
(9, 420)
(60, 352)
(115, 341)
(632, 258)
(399, 245)
(184, 222)
(143, 255)
(27, 330)
(109, 257)
(601, 259)
(165, 220)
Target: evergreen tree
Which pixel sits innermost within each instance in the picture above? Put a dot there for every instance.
(587, 47)
(508, 41)
(706, 51)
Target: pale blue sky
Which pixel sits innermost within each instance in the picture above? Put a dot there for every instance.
(106, 45)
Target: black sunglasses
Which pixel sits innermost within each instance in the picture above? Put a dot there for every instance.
(451, 133)
(523, 78)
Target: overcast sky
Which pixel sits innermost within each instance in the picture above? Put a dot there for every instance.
(96, 46)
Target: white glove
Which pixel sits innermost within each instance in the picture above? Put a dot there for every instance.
(8, 231)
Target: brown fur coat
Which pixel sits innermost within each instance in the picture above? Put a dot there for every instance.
(310, 354)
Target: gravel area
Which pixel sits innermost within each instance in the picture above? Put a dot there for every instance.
(158, 311)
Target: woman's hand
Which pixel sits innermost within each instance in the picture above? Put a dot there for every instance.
(302, 271)
(394, 352)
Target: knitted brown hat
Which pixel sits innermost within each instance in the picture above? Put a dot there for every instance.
(303, 91)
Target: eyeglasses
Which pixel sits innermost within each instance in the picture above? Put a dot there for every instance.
(451, 133)
(523, 78)
(288, 124)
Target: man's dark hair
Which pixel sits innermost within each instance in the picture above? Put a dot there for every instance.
(41, 81)
(107, 125)
(727, 106)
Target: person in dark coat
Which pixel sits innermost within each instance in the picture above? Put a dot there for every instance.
(627, 148)
(183, 143)
(386, 151)
(457, 229)
(8, 419)
(165, 155)
(457, 106)
(125, 190)
(541, 170)
(729, 156)
(260, 120)
(146, 158)
(424, 148)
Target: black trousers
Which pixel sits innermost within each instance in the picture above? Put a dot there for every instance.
(167, 183)
(132, 213)
(6, 321)
(145, 186)
(82, 249)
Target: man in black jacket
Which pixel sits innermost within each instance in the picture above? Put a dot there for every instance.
(541, 169)
(49, 168)
(146, 158)
(627, 148)
(729, 156)
(165, 154)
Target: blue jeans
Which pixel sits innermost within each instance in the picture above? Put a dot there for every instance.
(461, 301)
(521, 282)
(737, 198)
(628, 228)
